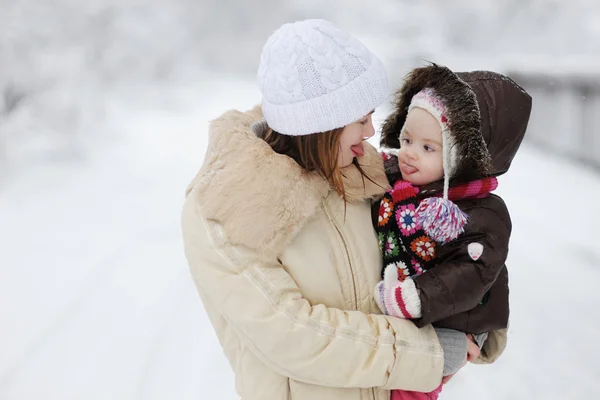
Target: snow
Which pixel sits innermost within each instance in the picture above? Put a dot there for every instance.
(93, 269)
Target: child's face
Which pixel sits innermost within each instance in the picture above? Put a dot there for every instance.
(351, 142)
(420, 155)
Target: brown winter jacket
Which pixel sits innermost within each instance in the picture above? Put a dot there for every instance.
(463, 294)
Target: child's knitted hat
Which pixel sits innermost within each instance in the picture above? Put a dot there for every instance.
(441, 218)
(429, 101)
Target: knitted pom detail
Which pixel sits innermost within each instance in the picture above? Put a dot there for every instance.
(441, 219)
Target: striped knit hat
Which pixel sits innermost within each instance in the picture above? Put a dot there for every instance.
(440, 217)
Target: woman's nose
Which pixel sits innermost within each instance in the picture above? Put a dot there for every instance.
(370, 132)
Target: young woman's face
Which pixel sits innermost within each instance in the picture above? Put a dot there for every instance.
(351, 142)
(420, 154)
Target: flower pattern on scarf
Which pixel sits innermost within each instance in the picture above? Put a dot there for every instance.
(405, 217)
(403, 271)
(389, 245)
(417, 266)
(385, 211)
(424, 247)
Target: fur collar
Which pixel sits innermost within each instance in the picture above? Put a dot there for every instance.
(262, 198)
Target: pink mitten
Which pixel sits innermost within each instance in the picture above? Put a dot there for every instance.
(399, 299)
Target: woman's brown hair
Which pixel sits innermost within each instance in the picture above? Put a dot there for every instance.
(317, 152)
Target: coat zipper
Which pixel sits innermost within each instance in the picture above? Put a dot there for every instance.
(339, 231)
(341, 235)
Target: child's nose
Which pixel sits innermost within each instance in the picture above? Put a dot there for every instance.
(411, 154)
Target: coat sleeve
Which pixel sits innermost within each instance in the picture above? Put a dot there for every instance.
(307, 342)
(458, 282)
(493, 347)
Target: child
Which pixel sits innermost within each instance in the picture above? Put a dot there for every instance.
(443, 235)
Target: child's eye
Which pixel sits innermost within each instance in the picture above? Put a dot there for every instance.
(428, 148)
(405, 140)
(364, 122)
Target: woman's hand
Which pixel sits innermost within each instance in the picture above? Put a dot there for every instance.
(473, 349)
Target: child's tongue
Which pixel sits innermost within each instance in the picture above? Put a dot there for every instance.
(407, 169)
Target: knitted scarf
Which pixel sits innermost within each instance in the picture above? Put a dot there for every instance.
(402, 237)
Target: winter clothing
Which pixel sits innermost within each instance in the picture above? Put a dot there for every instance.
(479, 338)
(470, 295)
(407, 249)
(411, 395)
(503, 110)
(465, 286)
(453, 121)
(297, 324)
(315, 78)
(396, 295)
(285, 316)
(454, 344)
(401, 299)
(488, 114)
(428, 100)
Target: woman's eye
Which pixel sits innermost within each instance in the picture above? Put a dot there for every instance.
(363, 122)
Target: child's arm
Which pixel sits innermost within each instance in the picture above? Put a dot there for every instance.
(460, 280)
(467, 266)
(397, 298)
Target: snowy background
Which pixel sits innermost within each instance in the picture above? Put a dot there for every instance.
(103, 113)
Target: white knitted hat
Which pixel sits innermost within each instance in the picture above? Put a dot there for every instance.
(315, 78)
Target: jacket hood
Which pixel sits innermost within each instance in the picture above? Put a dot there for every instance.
(505, 108)
(488, 115)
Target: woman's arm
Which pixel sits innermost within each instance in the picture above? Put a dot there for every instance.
(309, 343)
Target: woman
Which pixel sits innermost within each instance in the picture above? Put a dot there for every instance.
(277, 231)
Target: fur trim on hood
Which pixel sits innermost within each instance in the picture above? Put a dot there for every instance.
(488, 116)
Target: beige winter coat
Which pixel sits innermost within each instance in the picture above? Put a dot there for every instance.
(287, 279)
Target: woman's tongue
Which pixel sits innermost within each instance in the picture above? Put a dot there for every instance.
(358, 150)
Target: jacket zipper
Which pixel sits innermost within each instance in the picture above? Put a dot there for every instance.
(341, 235)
